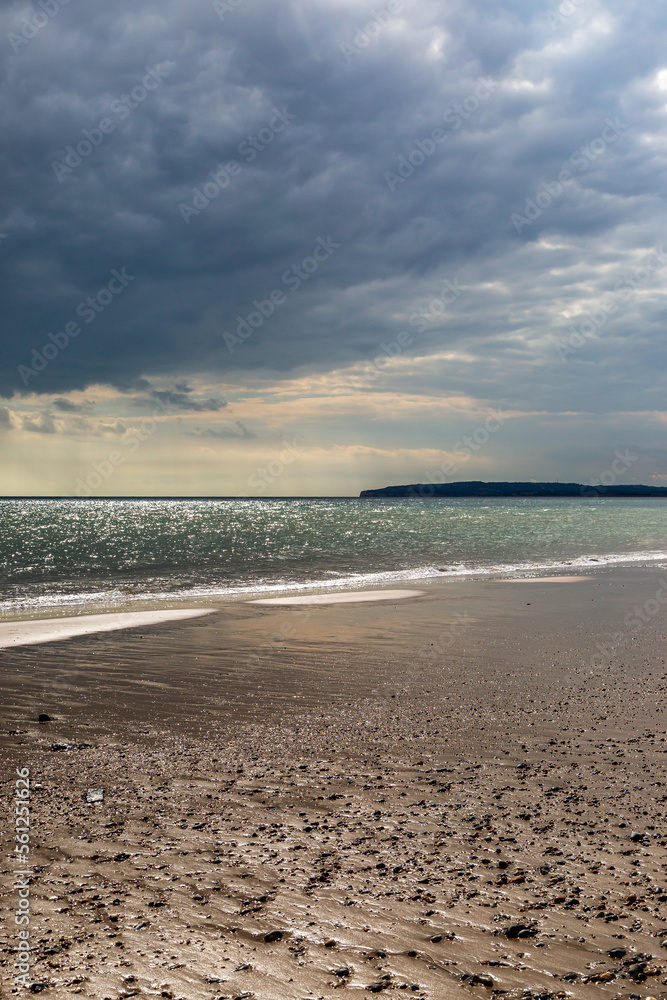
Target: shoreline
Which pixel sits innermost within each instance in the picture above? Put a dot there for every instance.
(113, 602)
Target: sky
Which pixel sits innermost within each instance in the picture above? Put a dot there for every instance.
(291, 248)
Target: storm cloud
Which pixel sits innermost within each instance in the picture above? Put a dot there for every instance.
(249, 190)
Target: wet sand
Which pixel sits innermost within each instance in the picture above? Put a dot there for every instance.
(372, 796)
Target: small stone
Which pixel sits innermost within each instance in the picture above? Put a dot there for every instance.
(43, 717)
(273, 936)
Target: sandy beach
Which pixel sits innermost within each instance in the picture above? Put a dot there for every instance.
(458, 794)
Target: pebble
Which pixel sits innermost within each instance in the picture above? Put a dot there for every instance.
(520, 931)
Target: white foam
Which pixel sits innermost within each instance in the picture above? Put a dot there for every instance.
(417, 575)
(545, 579)
(350, 597)
(28, 633)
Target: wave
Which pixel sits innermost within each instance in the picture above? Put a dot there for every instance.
(150, 593)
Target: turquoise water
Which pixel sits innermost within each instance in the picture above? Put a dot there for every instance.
(61, 553)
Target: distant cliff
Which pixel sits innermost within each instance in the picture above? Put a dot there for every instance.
(479, 489)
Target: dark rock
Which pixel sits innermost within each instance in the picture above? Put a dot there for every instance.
(273, 936)
(520, 931)
(43, 717)
(617, 952)
(638, 959)
(483, 981)
(342, 973)
(476, 980)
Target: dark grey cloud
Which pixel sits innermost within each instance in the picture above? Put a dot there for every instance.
(179, 398)
(236, 430)
(67, 406)
(106, 245)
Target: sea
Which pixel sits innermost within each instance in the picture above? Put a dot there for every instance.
(67, 554)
